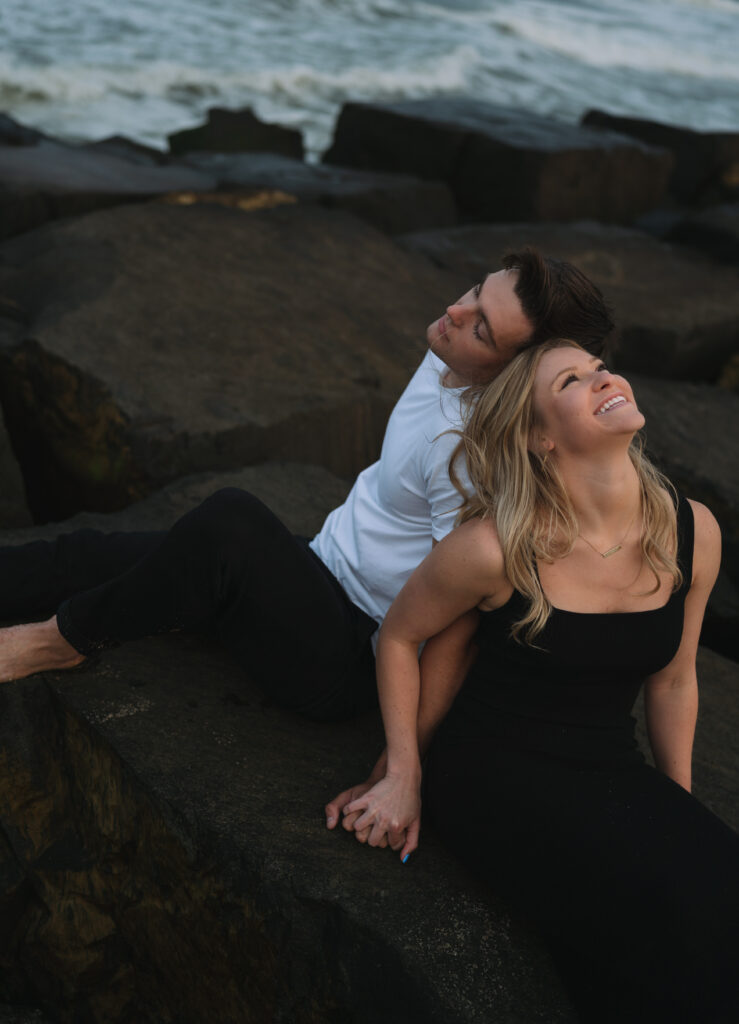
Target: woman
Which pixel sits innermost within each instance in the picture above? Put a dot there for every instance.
(589, 582)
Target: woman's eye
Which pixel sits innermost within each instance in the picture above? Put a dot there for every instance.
(602, 368)
(476, 331)
(568, 379)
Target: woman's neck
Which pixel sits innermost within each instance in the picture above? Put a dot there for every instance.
(604, 494)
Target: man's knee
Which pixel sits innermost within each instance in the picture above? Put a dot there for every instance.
(234, 520)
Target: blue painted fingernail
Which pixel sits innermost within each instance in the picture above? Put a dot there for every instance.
(406, 857)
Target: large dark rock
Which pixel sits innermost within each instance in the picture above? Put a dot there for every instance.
(677, 314)
(714, 231)
(42, 180)
(301, 495)
(13, 508)
(163, 854)
(504, 164)
(706, 165)
(392, 202)
(128, 149)
(162, 340)
(238, 131)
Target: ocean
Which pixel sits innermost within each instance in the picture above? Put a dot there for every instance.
(94, 68)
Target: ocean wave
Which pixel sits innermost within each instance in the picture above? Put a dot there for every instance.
(624, 43)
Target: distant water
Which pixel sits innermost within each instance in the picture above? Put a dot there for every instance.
(144, 68)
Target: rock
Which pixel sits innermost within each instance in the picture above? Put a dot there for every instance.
(22, 1015)
(13, 508)
(706, 165)
(299, 494)
(504, 164)
(163, 854)
(238, 131)
(164, 340)
(128, 149)
(12, 133)
(714, 231)
(391, 202)
(48, 180)
(168, 824)
(729, 377)
(677, 314)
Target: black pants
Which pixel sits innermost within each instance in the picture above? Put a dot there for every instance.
(229, 567)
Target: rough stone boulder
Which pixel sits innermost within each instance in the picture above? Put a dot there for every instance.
(504, 164)
(706, 165)
(300, 494)
(13, 508)
(42, 179)
(163, 854)
(677, 314)
(153, 341)
(238, 131)
(393, 203)
(715, 231)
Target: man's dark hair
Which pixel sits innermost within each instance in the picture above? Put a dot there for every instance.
(559, 300)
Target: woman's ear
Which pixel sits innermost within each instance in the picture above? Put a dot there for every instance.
(540, 444)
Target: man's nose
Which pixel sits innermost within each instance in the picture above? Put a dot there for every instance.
(457, 311)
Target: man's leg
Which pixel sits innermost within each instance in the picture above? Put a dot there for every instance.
(36, 577)
(230, 566)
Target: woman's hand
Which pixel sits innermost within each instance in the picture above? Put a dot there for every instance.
(391, 811)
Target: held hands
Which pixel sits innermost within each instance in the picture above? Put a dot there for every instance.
(384, 811)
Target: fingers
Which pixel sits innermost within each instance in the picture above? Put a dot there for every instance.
(348, 821)
(396, 840)
(333, 809)
(411, 842)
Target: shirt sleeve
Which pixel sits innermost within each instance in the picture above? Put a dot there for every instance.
(443, 497)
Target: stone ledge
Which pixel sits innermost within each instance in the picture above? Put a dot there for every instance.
(166, 825)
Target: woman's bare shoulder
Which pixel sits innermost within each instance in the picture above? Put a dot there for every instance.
(475, 542)
(707, 551)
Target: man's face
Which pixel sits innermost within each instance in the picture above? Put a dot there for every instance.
(481, 332)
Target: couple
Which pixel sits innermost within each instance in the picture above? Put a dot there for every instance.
(580, 575)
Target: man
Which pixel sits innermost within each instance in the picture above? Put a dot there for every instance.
(300, 618)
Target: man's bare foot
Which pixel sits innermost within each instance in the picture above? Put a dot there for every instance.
(35, 647)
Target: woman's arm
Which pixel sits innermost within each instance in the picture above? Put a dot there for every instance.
(671, 695)
(444, 664)
(461, 571)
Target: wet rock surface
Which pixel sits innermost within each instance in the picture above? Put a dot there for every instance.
(706, 167)
(393, 203)
(155, 341)
(677, 314)
(504, 164)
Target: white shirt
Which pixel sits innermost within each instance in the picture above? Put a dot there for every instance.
(374, 541)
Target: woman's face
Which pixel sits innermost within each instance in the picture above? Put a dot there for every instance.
(579, 403)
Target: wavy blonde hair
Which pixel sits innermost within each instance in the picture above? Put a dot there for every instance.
(525, 496)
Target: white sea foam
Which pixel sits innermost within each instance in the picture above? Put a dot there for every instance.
(143, 69)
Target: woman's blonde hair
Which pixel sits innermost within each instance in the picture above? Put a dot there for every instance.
(524, 494)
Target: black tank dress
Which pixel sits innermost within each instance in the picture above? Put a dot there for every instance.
(535, 780)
